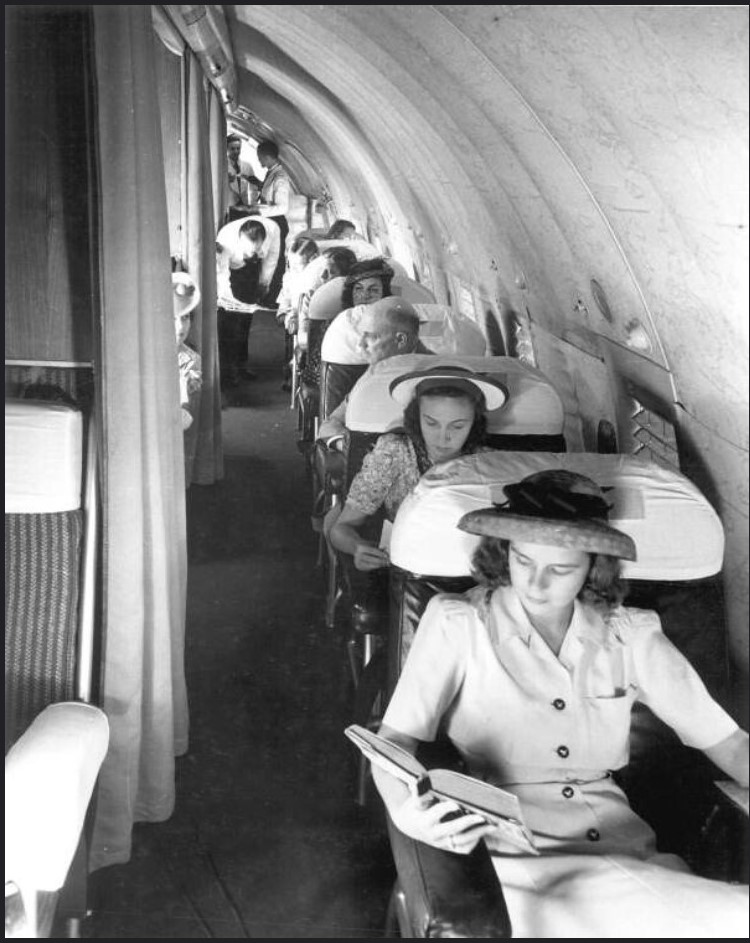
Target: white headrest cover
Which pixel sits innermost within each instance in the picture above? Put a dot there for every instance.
(533, 407)
(360, 247)
(43, 457)
(411, 291)
(341, 341)
(325, 302)
(678, 535)
(446, 331)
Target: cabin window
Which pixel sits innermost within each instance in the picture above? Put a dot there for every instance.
(466, 301)
(653, 436)
(522, 342)
(425, 275)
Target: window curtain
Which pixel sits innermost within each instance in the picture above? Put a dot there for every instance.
(144, 556)
(203, 439)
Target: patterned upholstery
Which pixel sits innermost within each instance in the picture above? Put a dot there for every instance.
(42, 561)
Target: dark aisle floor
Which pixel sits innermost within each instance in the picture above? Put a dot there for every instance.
(266, 841)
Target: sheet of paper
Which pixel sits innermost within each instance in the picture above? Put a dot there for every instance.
(385, 536)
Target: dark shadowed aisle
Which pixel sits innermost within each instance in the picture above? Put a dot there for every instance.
(265, 841)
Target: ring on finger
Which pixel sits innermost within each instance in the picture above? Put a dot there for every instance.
(452, 842)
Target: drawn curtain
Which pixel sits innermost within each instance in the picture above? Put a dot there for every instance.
(202, 225)
(144, 545)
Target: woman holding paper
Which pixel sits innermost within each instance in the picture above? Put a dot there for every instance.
(533, 676)
(444, 417)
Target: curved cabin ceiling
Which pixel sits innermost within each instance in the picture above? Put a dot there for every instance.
(530, 149)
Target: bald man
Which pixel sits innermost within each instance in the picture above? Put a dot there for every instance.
(387, 327)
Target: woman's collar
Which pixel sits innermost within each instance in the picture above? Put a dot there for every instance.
(586, 625)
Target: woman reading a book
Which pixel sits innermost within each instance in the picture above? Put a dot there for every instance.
(532, 675)
(445, 411)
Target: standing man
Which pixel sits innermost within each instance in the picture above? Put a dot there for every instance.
(274, 204)
(247, 252)
(243, 184)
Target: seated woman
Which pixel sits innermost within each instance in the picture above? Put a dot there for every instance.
(302, 251)
(444, 417)
(335, 263)
(532, 675)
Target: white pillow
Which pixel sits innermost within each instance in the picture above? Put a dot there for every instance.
(43, 457)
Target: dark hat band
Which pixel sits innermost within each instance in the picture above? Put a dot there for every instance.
(533, 500)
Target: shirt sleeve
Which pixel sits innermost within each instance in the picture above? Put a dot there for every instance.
(670, 686)
(378, 474)
(278, 202)
(434, 670)
(335, 425)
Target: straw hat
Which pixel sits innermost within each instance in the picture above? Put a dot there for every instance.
(404, 388)
(186, 295)
(557, 508)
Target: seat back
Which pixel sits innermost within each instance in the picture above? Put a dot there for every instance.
(410, 290)
(43, 546)
(534, 408)
(336, 380)
(680, 544)
(446, 331)
(326, 303)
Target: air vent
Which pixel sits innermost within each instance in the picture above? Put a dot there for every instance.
(654, 437)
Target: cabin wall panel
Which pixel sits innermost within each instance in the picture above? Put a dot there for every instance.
(48, 252)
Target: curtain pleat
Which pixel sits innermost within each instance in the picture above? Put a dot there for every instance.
(203, 440)
(144, 560)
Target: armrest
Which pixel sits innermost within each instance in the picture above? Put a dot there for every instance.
(330, 467)
(50, 774)
(449, 895)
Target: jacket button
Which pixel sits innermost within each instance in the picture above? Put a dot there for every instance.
(568, 792)
(563, 751)
(593, 834)
(558, 704)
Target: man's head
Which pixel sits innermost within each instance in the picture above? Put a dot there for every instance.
(388, 327)
(252, 236)
(268, 153)
(234, 146)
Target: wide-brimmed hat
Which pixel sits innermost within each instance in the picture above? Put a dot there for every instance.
(560, 508)
(405, 387)
(185, 294)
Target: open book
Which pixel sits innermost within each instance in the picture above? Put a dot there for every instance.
(498, 807)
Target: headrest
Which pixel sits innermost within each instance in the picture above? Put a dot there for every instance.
(341, 341)
(360, 247)
(411, 290)
(677, 534)
(325, 303)
(533, 407)
(43, 457)
(447, 331)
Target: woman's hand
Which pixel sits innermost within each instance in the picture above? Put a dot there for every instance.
(441, 824)
(367, 557)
